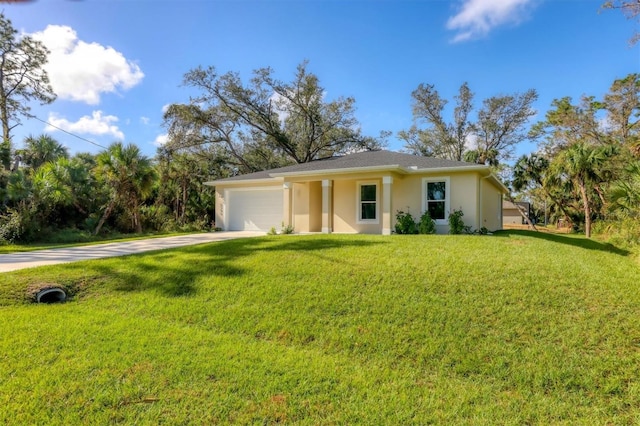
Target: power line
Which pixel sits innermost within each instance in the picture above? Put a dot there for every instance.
(69, 133)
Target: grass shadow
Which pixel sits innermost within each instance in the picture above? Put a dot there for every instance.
(158, 271)
(572, 240)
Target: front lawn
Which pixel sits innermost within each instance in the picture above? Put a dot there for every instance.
(514, 328)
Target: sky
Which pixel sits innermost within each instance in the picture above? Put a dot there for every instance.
(117, 64)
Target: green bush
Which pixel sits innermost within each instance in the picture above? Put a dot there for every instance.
(287, 229)
(426, 225)
(157, 218)
(482, 231)
(456, 224)
(405, 224)
(622, 232)
(19, 226)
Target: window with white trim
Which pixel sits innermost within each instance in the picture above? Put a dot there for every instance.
(367, 202)
(436, 198)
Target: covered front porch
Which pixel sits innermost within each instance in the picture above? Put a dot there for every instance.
(340, 205)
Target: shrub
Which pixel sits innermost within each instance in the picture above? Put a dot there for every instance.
(622, 232)
(287, 229)
(19, 225)
(201, 224)
(482, 231)
(456, 224)
(405, 224)
(157, 217)
(426, 225)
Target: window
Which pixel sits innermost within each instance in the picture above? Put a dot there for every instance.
(367, 202)
(436, 198)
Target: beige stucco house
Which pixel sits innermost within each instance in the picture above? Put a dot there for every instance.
(359, 193)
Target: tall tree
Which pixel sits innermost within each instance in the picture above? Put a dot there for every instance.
(622, 103)
(22, 79)
(499, 128)
(501, 124)
(129, 175)
(264, 123)
(631, 9)
(440, 139)
(567, 123)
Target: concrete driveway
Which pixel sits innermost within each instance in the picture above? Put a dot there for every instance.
(15, 261)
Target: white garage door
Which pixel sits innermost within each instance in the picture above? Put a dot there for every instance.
(255, 209)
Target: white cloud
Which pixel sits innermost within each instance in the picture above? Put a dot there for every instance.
(97, 124)
(161, 140)
(81, 71)
(477, 18)
(165, 107)
(144, 120)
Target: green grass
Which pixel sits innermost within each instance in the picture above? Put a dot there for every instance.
(80, 238)
(515, 328)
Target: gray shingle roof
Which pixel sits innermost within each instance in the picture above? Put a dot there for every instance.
(358, 160)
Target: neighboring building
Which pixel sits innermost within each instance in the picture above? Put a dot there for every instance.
(359, 193)
(511, 215)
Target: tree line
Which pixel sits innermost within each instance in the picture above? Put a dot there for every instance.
(116, 190)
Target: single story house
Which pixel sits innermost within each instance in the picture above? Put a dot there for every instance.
(511, 215)
(359, 193)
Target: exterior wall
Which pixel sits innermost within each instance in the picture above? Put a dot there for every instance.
(511, 216)
(345, 203)
(407, 193)
(464, 195)
(301, 207)
(491, 206)
(315, 206)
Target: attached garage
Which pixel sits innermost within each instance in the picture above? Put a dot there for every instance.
(254, 209)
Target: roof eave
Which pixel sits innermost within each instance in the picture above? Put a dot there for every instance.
(222, 182)
(473, 168)
(497, 182)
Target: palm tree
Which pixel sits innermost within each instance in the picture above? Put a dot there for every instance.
(19, 188)
(533, 170)
(625, 194)
(582, 165)
(63, 183)
(129, 177)
(42, 149)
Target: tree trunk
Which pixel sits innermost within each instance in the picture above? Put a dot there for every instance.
(587, 209)
(522, 213)
(184, 202)
(136, 218)
(556, 202)
(104, 217)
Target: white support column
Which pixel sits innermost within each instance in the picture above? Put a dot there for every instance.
(286, 203)
(327, 224)
(387, 182)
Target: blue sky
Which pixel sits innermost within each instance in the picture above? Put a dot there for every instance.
(116, 64)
